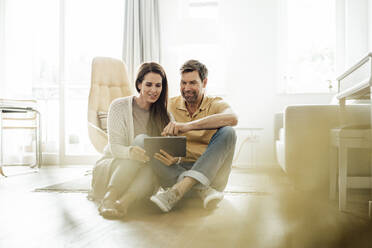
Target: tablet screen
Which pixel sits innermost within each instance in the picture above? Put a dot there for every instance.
(174, 145)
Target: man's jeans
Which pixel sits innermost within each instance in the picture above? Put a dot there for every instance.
(212, 168)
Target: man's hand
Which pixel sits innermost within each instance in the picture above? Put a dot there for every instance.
(138, 154)
(174, 128)
(165, 158)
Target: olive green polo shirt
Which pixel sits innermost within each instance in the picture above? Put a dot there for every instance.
(197, 141)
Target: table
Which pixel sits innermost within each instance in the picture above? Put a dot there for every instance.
(10, 109)
(343, 139)
(361, 90)
(252, 137)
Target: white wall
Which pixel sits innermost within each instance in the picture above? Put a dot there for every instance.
(353, 39)
(356, 30)
(252, 73)
(369, 26)
(251, 50)
(2, 48)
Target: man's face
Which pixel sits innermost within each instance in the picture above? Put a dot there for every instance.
(192, 88)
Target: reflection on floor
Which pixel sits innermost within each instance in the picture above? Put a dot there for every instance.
(269, 214)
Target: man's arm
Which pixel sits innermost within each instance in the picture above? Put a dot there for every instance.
(225, 118)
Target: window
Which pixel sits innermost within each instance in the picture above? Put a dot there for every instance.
(307, 46)
(99, 33)
(30, 60)
(48, 47)
(184, 39)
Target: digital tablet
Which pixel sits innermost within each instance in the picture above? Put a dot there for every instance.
(174, 145)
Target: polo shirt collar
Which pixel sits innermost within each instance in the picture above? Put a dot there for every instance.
(203, 105)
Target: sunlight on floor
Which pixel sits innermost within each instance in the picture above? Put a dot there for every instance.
(265, 212)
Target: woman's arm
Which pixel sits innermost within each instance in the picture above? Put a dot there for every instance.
(118, 131)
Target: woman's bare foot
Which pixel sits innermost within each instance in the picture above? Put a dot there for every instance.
(124, 202)
(121, 206)
(108, 210)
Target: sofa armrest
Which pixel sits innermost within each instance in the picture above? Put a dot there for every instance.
(278, 124)
(307, 140)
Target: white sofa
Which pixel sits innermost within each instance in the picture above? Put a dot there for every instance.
(302, 140)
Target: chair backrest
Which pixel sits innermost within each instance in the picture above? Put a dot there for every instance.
(109, 81)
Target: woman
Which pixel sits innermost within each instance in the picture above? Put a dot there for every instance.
(123, 175)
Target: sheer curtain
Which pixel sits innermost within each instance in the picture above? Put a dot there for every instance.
(141, 40)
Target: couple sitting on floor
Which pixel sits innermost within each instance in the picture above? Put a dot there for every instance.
(125, 173)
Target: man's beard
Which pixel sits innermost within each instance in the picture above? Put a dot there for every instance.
(190, 98)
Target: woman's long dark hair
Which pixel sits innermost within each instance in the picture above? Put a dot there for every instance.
(158, 110)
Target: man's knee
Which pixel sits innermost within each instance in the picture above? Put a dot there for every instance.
(228, 133)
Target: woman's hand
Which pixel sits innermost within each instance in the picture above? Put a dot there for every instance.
(138, 154)
(165, 158)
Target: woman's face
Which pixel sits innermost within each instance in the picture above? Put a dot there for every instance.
(151, 87)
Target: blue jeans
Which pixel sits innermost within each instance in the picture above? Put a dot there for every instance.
(212, 168)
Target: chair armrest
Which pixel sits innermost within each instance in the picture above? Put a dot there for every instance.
(97, 128)
(97, 137)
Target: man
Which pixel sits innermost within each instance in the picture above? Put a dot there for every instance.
(206, 122)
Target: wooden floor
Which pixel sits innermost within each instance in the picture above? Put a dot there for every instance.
(278, 218)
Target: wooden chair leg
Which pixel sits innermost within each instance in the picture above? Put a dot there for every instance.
(342, 175)
(2, 172)
(332, 173)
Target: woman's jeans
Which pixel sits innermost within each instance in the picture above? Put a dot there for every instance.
(212, 168)
(132, 176)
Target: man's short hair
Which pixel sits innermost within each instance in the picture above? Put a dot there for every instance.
(194, 65)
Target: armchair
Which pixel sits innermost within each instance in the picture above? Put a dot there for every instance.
(109, 81)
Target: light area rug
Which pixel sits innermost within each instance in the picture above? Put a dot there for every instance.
(240, 181)
(77, 185)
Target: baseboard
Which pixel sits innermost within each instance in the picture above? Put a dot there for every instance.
(247, 166)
